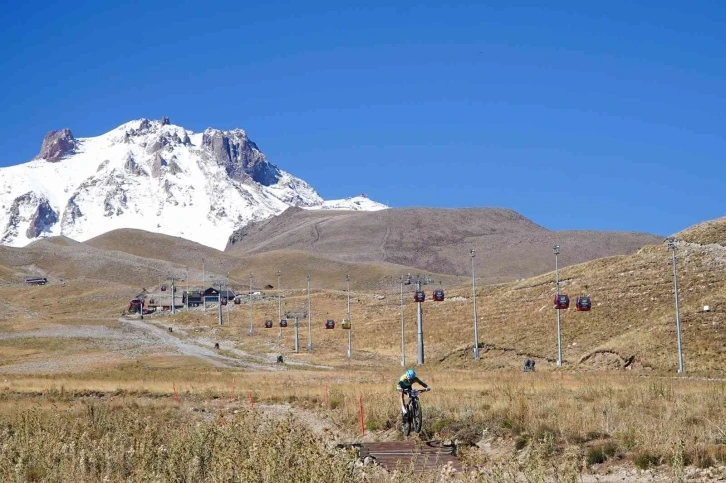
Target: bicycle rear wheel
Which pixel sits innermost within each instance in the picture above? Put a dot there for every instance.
(416, 415)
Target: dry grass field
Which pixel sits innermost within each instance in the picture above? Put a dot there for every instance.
(88, 394)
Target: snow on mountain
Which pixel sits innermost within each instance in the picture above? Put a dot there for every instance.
(154, 176)
(356, 203)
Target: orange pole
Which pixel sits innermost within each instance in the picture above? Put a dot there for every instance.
(176, 395)
(231, 393)
(362, 424)
(252, 402)
(325, 397)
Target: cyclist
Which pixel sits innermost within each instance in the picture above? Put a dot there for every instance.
(405, 383)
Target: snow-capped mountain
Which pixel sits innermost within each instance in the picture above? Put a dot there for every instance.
(154, 176)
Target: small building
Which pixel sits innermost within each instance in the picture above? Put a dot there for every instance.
(161, 300)
(36, 281)
(193, 296)
(212, 295)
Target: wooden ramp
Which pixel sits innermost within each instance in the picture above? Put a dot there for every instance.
(422, 455)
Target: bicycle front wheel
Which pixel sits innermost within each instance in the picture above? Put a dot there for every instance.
(417, 416)
(406, 422)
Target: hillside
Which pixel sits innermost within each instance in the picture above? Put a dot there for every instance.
(632, 315)
(508, 245)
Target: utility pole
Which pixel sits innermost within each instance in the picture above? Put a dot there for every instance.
(347, 284)
(473, 290)
(310, 327)
(186, 295)
(556, 250)
(204, 287)
(403, 333)
(250, 301)
(672, 246)
(279, 305)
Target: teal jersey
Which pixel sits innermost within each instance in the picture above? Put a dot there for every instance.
(404, 383)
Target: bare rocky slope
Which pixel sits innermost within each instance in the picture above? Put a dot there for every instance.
(508, 245)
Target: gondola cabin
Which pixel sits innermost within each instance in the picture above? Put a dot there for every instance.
(562, 301)
(268, 324)
(223, 301)
(283, 323)
(583, 303)
(345, 324)
(438, 295)
(163, 288)
(330, 324)
(419, 296)
(237, 300)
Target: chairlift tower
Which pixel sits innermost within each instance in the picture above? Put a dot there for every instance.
(419, 281)
(217, 283)
(279, 303)
(473, 290)
(556, 251)
(250, 302)
(226, 294)
(347, 289)
(672, 245)
(297, 315)
(403, 333)
(172, 277)
(310, 327)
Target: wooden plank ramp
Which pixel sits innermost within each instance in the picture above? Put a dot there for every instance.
(422, 455)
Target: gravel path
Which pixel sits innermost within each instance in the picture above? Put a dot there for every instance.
(131, 339)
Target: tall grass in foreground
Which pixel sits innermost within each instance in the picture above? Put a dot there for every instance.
(99, 442)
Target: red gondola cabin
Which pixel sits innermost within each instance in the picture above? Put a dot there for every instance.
(562, 301)
(438, 295)
(583, 303)
(330, 324)
(419, 296)
(268, 324)
(283, 323)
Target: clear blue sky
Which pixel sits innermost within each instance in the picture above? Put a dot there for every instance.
(608, 116)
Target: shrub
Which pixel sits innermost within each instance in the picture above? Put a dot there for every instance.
(595, 455)
(644, 459)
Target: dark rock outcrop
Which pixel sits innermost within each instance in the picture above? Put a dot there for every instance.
(56, 145)
(42, 220)
(43, 216)
(240, 157)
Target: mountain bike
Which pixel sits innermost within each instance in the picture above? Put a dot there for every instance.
(414, 414)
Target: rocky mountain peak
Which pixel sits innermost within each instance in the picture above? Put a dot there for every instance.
(240, 157)
(56, 145)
